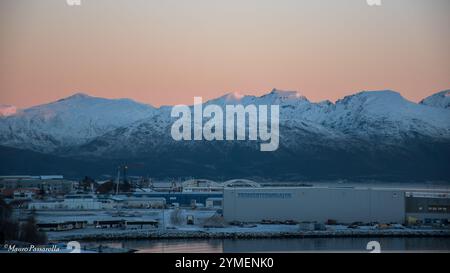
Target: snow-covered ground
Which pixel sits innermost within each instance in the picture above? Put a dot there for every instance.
(174, 225)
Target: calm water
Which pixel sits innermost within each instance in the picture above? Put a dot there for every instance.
(283, 245)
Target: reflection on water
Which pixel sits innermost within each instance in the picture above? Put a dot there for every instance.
(186, 246)
(283, 245)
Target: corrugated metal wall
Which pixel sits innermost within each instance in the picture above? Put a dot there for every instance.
(345, 205)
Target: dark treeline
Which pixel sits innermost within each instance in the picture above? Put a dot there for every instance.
(12, 230)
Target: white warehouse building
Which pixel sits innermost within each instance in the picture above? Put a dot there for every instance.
(316, 204)
(70, 202)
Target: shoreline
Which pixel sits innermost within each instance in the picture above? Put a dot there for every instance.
(172, 235)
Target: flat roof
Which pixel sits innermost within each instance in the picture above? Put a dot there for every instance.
(137, 222)
(406, 189)
(176, 193)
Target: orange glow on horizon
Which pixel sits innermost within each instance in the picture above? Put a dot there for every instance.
(167, 52)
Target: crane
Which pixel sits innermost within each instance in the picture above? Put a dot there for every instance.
(124, 169)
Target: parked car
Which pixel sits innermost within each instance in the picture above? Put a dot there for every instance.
(235, 223)
(290, 222)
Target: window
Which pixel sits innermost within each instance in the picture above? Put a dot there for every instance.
(436, 208)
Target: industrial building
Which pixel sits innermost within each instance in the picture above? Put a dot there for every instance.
(71, 202)
(49, 184)
(214, 203)
(136, 202)
(427, 207)
(142, 200)
(191, 199)
(61, 226)
(141, 224)
(337, 204)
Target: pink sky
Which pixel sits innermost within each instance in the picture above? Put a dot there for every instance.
(168, 51)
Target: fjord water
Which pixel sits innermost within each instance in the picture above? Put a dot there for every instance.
(388, 244)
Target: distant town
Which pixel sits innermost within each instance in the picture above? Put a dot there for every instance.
(54, 209)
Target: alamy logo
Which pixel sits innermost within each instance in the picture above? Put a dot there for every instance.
(74, 247)
(235, 123)
(73, 2)
(374, 247)
(374, 2)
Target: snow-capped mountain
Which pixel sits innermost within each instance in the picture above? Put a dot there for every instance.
(441, 99)
(370, 133)
(276, 96)
(7, 110)
(69, 121)
(365, 114)
(387, 114)
(384, 116)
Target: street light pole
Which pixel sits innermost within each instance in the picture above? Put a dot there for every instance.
(163, 219)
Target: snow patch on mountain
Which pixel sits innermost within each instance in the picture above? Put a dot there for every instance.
(441, 100)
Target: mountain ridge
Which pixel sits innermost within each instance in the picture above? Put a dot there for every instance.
(367, 134)
(440, 99)
(68, 121)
